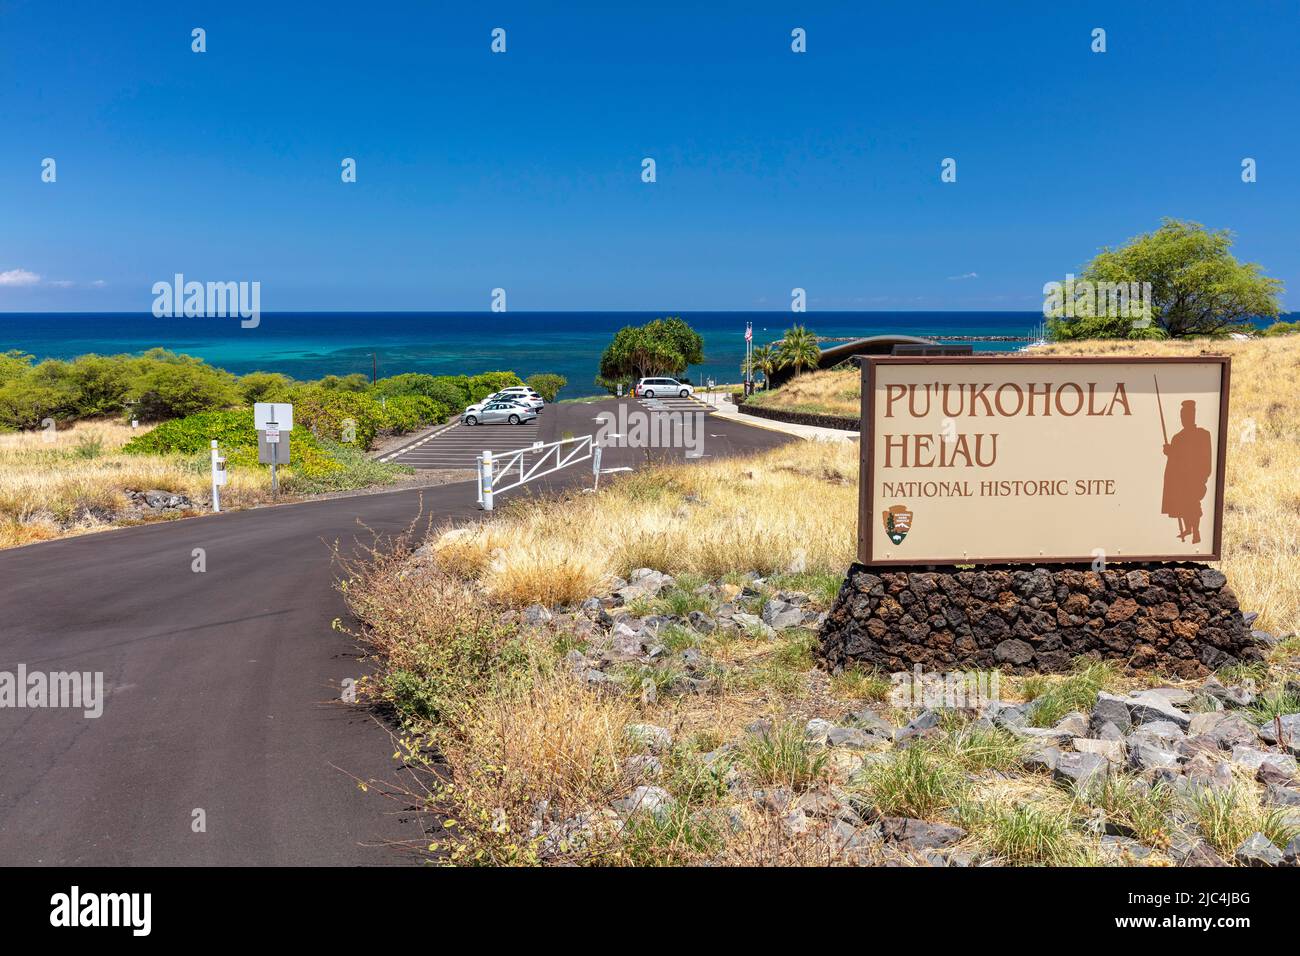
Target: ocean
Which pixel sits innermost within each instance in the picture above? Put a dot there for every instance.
(307, 345)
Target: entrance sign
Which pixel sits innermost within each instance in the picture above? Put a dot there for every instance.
(277, 414)
(1047, 459)
(273, 451)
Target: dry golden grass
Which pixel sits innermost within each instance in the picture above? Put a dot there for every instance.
(708, 519)
(1261, 520)
(830, 392)
(76, 481)
(529, 749)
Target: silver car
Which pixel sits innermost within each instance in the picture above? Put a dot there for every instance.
(496, 412)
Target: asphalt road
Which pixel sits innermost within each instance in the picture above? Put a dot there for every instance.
(222, 688)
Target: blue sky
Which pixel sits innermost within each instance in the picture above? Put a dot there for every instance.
(522, 170)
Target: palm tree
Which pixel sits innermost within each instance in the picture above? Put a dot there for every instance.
(799, 349)
(765, 360)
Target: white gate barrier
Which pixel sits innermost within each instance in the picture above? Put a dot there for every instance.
(507, 470)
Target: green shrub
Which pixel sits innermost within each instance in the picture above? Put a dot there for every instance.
(237, 439)
(450, 390)
(264, 387)
(547, 384)
(342, 416)
(481, 386)
(158, 385)
(406, 413)
(332, 467)
(194, 434)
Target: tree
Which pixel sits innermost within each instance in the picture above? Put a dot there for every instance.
(766, 360)
(173, 386)
(799, 349)
(660, 347)
(547, 385)
(1197, 287)
(264, 387)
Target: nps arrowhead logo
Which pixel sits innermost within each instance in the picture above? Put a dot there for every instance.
(898, 521)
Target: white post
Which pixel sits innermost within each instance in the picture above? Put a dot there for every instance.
(595, 467)
(487, 480)
(216, 493)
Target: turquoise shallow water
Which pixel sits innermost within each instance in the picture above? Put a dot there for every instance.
(309, 345)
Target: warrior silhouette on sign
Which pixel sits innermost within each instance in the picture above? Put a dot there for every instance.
(1186, 471)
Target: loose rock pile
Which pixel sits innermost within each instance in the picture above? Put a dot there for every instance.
(1182, 619)
(1151, 739)
(1188, 741)
(620, 644)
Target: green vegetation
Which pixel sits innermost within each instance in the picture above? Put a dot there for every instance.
(151, 387)
(547, 385)
(783, 757)
(161, 385)
(660, 347)
(1056, 697)
(1198, 287)
(764, 360)
(1027, 834)
(912, 783)
(798, 350)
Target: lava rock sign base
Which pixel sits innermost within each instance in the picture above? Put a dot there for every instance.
(1178, 618)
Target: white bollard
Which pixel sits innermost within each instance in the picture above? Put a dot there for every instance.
(216, 493)
(487, 481)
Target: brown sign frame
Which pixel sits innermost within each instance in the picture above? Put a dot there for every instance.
(866, 484)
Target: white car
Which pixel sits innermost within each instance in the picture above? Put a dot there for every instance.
(650, 387)
(493, 411)
(521, 394)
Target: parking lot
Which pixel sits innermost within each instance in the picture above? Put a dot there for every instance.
(457, 446)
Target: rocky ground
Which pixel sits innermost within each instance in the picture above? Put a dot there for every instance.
(1091, 767)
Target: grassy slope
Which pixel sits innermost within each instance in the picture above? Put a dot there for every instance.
(516, 728)
(76, 482)
(832, 392)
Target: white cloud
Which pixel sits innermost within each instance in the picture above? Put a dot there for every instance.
(61, 283)
(99, 283)
(964, 275)
(17, 277)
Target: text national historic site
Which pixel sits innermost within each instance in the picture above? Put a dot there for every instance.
(1040, 459)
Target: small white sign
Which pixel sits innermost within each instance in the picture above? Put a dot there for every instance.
(268, 414)
(273, 436)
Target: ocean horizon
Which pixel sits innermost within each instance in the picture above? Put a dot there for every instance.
(308, 345)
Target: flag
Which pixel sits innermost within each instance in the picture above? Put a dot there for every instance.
(749, 333)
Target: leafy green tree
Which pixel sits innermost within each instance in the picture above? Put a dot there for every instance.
(1197, 286)
(449, 390)
(355, 382)
(683, 339)
(168, 385)
(547, 385)
(799, 349)
(264, 387)
(481, 386)
(660, 347)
